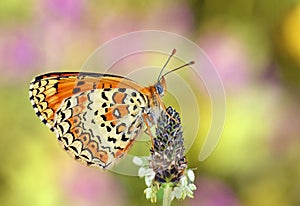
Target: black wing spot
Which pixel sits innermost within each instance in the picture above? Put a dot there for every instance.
(44, 121)
(68, 104)
(76, 90)
(118, 147)
(124, 138)
(66, 140)
(84, 156)
(37, 98)
(63, 116)
(111, 139)
(108, 128)
(103, 117)
(104, 96)
(74, 149)
(89, 163)
(104, 105)
(80, 83)
(122, 89)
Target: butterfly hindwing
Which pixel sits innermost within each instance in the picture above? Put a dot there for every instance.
(99, 125)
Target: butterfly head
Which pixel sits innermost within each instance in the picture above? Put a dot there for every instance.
(161, 87)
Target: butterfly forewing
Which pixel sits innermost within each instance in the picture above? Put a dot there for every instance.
(47, 91)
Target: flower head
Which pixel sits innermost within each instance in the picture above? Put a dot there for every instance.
(167, 165)
(167, 155)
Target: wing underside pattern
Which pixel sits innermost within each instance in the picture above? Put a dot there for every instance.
(96, 117)
(100, 125)
(48, 91)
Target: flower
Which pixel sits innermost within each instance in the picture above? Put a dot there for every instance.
(167, 165)
(167, 155)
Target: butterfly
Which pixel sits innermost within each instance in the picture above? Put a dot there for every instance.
(96, 117)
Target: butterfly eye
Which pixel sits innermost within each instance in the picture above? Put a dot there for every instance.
(159, 89)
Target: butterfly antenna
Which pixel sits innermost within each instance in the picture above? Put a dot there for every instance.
(172, 54)
(185, 65)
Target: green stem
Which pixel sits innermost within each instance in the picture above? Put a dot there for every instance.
(167, 195)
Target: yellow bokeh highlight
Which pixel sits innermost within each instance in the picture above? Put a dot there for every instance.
(291, 33)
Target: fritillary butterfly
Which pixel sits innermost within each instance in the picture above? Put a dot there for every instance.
(96, 117)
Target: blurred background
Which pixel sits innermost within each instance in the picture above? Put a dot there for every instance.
(255, 46)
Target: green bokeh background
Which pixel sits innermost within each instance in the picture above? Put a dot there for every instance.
(255, 46)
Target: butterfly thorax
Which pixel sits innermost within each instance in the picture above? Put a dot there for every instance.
(155, 104)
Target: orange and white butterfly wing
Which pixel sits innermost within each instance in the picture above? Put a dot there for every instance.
(48, 91)
(95, 116)
(99, 126)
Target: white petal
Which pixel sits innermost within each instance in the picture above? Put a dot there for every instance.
(152, 175)
(191, 175)
(149, 172)
(148, 193)
(190, 193)
(142, 172)
(178, 192)
(183, 181)
(148, 181)
(172, 195)
(192, 186)
(137, 161)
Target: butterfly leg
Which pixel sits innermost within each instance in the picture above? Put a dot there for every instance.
(165, 110)
(147, 131)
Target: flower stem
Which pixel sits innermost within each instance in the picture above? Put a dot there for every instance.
(167, 195)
